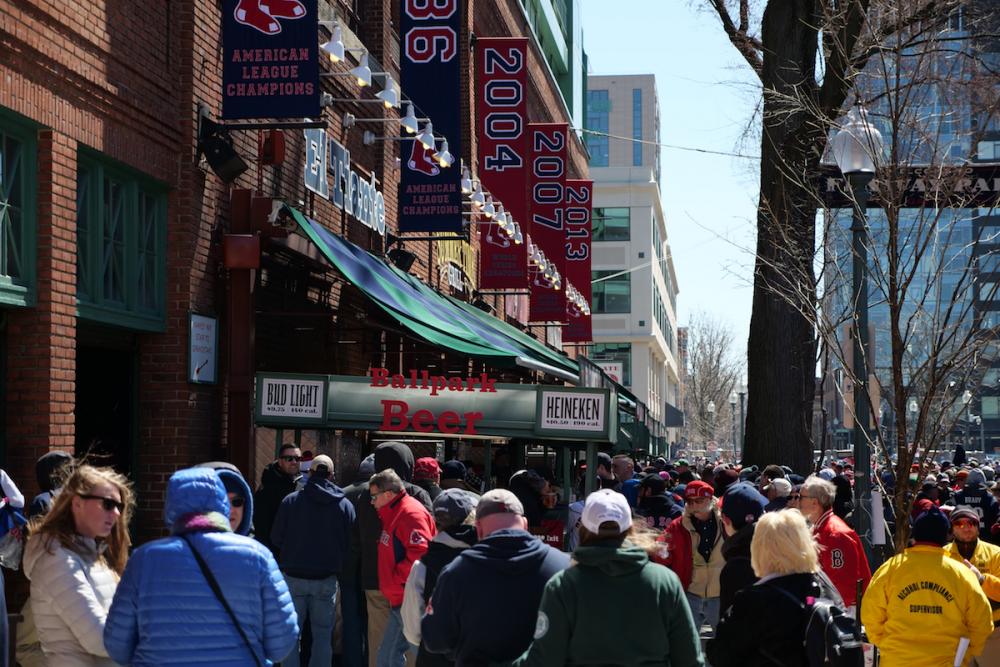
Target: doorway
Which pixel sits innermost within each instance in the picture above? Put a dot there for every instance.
(106, 385)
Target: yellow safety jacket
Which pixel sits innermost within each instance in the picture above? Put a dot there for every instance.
(919, 604)
(986, 558)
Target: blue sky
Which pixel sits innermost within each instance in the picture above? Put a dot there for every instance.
(706, 101)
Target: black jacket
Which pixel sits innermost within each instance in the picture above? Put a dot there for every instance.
(737, 573)
(779, 503)
(313, 530)
(485, 605)
(438, 556)
(368, 528)
(274, 486)
(658, 511)
(432, 489)
(763, 628)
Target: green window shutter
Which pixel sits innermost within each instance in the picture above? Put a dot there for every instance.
(18, 225)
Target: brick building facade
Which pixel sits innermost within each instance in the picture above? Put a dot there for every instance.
(118, 230)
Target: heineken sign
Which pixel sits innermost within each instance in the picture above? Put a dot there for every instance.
(328, 173)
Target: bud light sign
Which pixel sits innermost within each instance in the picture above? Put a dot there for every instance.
(269, 67)
(430, 195)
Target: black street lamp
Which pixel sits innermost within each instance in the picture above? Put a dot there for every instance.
(855, 148)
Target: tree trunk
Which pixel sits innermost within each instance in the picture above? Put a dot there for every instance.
(782, 345)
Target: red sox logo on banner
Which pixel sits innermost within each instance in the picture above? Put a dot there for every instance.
(430, 196)
(502, 72)
(262, 15)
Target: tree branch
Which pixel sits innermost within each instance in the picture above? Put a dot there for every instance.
(749, 46)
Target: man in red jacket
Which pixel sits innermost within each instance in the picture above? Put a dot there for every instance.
(841, 554)
(407, 529)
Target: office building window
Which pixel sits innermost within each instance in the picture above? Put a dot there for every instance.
(637, 127)
(611, 295)
(615, 352)
(598, 110)
(611, 223)
(991, 407)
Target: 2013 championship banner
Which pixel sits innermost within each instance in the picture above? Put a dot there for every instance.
(502, 112)
(430, 195)
(269, 53)
(547, 199)
(577, 218)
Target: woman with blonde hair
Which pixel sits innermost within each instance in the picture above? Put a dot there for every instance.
(766, 624)
(74, 559)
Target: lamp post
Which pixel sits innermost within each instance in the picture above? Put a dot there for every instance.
(966, 402)
(743, 394)
(854, 148)
(913, 408)
(732, 415)
(711, 420)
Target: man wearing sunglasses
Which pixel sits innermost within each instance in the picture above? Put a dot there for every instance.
(984, 561)
(276, 481)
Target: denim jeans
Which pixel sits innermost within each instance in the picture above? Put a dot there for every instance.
(392, 652)
(316, 598)
(704, 610)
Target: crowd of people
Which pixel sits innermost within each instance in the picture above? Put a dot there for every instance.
(665, 563)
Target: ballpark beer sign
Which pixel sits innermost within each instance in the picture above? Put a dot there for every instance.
(270, 67)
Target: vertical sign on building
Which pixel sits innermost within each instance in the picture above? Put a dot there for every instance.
(547, 199)
(502, 75)
(579, 202)
(430, 194)
(269, 59)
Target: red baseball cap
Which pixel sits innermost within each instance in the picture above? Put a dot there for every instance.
(426, 467)
(698, 489)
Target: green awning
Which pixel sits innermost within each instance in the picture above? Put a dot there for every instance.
(438, 319)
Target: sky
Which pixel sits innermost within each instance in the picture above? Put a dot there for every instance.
(707, 100)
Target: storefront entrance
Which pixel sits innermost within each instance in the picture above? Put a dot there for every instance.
(106, 387)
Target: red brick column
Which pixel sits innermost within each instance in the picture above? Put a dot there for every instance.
(41, 358)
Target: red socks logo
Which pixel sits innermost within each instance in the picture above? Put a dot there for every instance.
(421, 159)
(262, 14)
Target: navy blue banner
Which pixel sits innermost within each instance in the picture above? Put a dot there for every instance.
(269, 59)
(430, 194)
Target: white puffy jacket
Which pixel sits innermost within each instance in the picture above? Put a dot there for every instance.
(71, 593)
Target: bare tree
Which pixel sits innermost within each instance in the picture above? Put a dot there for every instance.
(714, 369)
(922, 76)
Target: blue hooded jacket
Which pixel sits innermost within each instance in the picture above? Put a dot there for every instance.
(485, 603)
(164, 612)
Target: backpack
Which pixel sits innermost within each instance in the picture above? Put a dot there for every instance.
(832, 638)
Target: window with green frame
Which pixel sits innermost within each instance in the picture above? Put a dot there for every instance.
(611, 224)
(121, 245)
(18, 194)
(611, 295)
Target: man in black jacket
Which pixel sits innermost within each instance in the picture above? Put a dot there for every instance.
(655, 505)
(313, 531)
(368, 530)
(276, 481)
(506, 573)
(742, 505)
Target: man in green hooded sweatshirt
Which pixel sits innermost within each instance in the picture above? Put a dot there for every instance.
(613, 592)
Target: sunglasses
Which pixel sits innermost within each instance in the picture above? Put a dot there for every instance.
(290, 459)
(794, 496)
(108, 504)
(237, 501)
(964, 523)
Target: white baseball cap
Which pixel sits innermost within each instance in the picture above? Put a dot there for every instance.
(606, 505)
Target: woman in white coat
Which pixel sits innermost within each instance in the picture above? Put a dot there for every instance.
(74, 559)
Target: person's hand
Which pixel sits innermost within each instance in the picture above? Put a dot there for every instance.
(995, 528)
(975, 570)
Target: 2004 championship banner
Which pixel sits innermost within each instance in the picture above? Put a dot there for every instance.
(502, 108)
(430, 194)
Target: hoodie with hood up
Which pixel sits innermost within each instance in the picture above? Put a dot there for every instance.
(485, 602)
(234, 482)
(368, 529)
(313, 530)
(274, 486)
(613, 592)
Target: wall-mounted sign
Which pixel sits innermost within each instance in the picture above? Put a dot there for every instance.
(291, 399)
(457, 264)
(502, 112)
(269, 59)
(547, 199)
(584, 411)
(467, 407)
(614, 369)
(328, 161)
(203, 349)
(430, 195)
